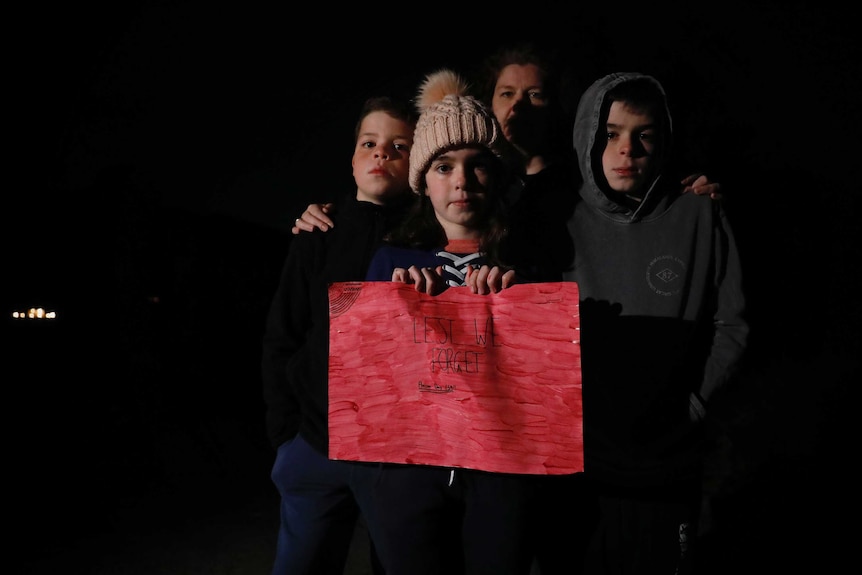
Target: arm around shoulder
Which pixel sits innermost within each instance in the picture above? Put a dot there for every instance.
(314, 216)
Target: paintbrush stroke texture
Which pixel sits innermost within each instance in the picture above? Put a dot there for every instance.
(458, 380)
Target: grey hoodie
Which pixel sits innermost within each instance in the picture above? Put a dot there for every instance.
(662, 306)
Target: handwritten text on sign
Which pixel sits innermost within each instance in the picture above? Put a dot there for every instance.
(458, 380)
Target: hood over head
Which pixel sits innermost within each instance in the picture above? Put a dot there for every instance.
(587, 138)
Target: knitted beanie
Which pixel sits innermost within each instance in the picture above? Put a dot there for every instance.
(449, 118)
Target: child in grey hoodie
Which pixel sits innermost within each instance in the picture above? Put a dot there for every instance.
(662, 326)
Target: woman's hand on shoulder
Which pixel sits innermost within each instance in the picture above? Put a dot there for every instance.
(314, 216)
(699, 185)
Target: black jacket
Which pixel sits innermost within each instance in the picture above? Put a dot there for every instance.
(296, 338)
(540, 206)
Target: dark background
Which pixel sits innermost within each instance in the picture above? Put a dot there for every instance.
(157, 153)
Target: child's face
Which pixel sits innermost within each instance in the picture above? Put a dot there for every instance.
(631, 150)
(458, 183)
(381, 158)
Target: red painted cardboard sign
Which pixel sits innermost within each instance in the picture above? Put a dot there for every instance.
(489, 382)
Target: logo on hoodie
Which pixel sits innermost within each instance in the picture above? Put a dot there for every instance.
(665, 274)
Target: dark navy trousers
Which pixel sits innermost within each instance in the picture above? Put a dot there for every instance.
(438, 521)
(318, 510)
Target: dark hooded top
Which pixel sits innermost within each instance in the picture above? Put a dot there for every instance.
(295, 362)
(662, 306)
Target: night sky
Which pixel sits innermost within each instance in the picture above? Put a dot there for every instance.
(161, 150)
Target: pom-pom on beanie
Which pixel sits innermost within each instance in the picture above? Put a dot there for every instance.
(449, 118)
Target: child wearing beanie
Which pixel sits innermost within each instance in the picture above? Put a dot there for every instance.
(457, 169)
(430, 519)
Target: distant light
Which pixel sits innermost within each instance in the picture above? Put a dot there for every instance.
(34, 313)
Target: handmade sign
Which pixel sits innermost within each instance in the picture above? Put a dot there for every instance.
(489, 382)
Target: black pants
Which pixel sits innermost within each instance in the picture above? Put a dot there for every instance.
(438, 521)
(562, 518)
(644, 531)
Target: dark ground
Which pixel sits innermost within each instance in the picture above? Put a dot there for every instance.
(781, 497)
(781, 501)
